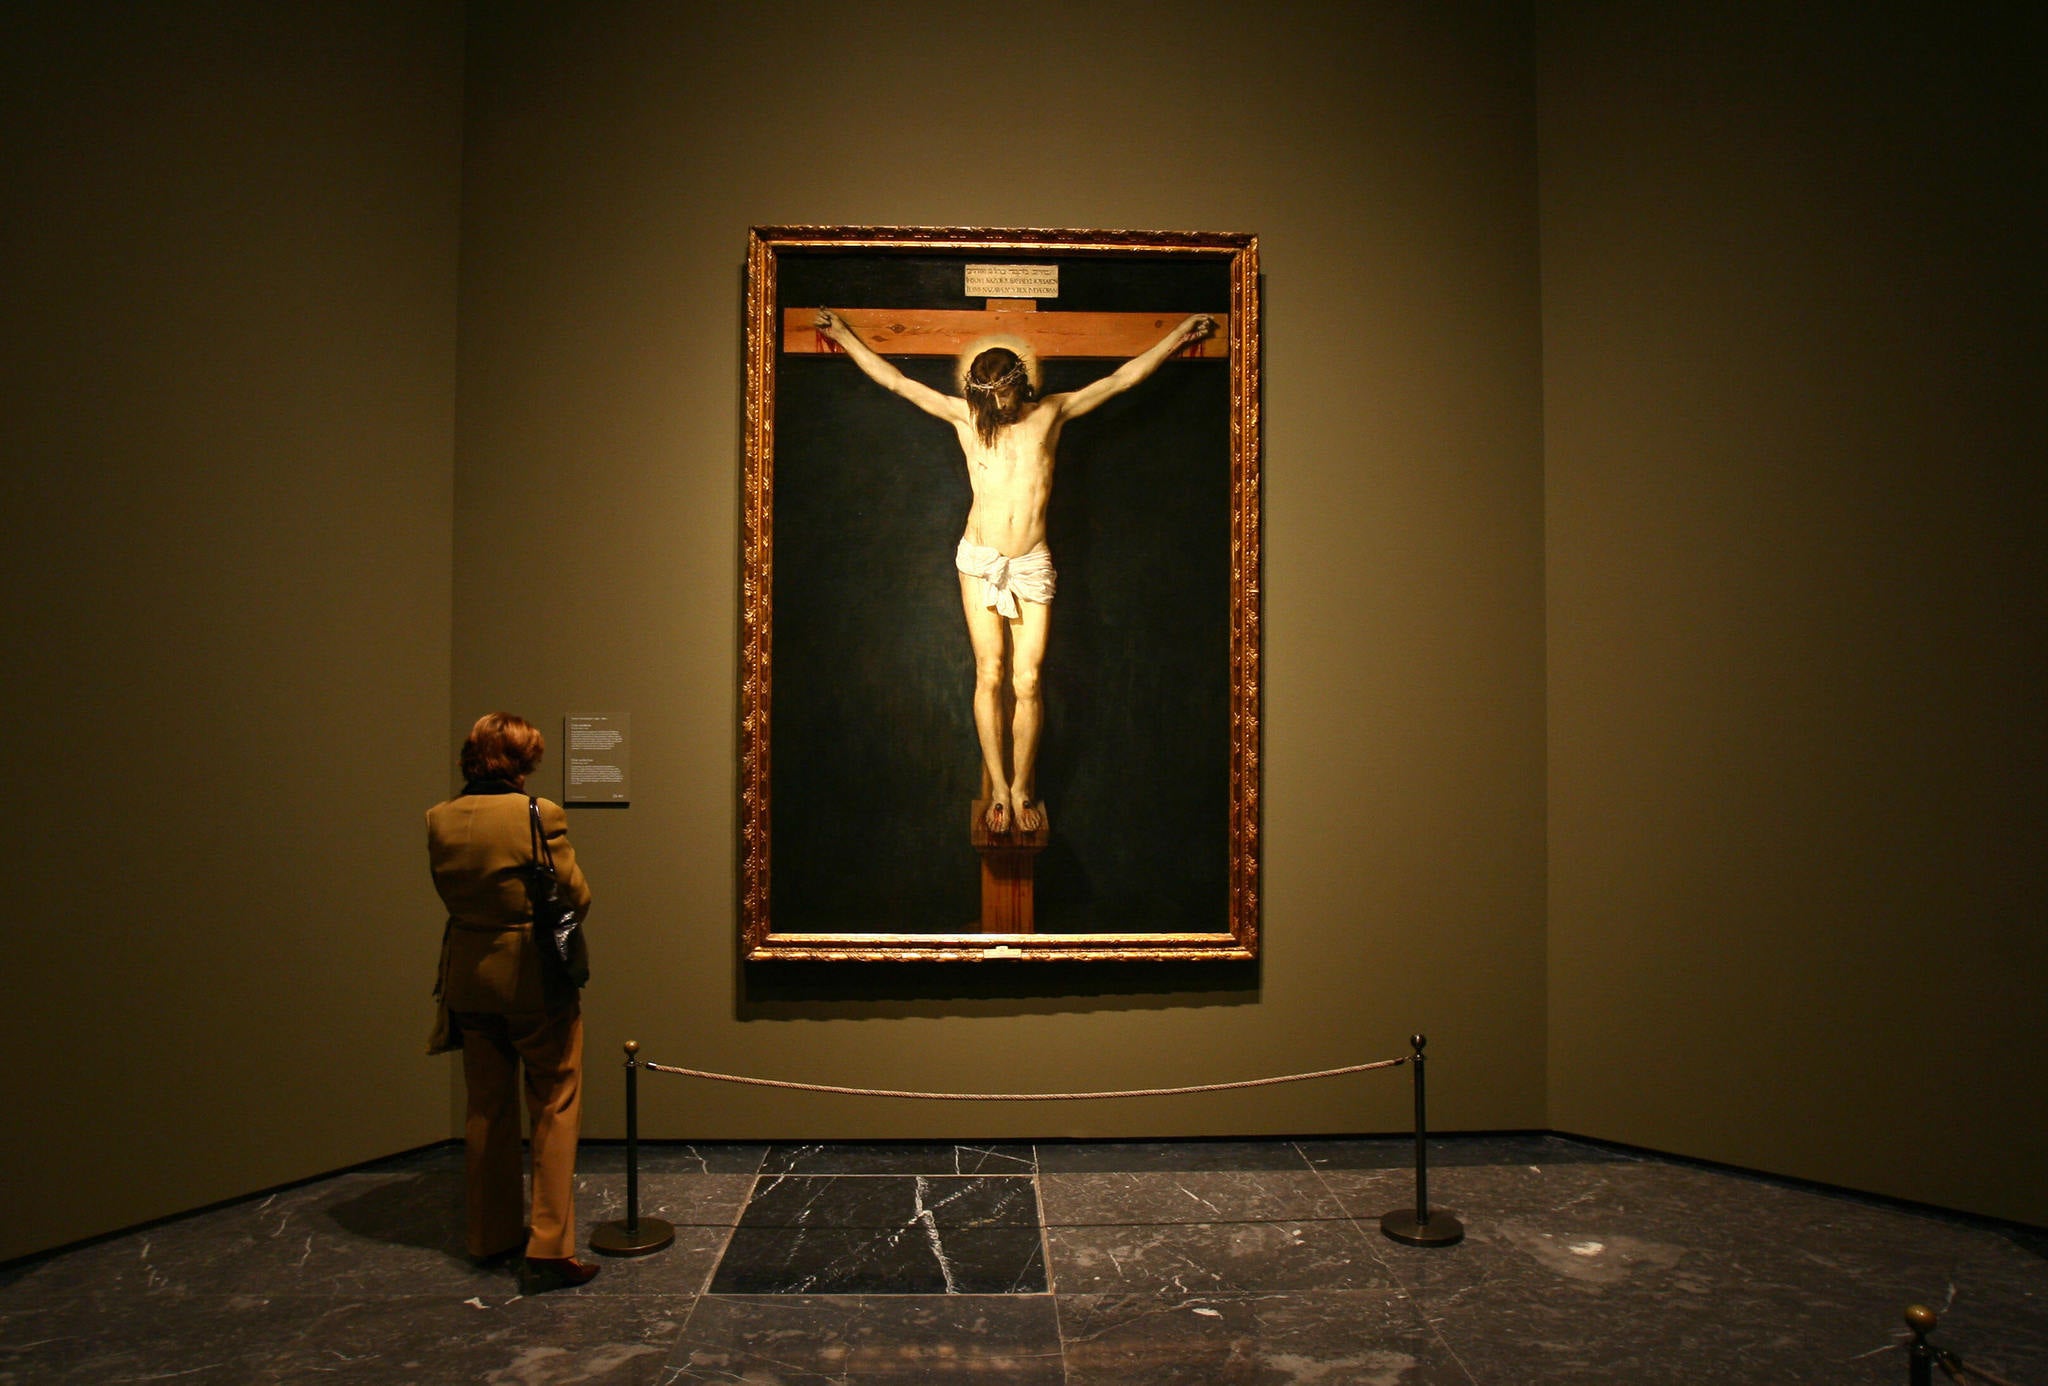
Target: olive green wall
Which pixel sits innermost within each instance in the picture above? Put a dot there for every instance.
(1758, 472)
(1797, 519)
(614, 160)
(226, 417)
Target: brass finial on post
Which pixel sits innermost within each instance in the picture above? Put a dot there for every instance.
(1920, 1353)
(1418, 1226)
(635, 1235)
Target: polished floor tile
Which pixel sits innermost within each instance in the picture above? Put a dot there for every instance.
(829, 1340)
(899, 1158)
(886, 1234)
(586, 1336)
(1094, 1157)
(1212, 1196)
(697, 1200)
(1081, 1264)
(1214, 1258)
(853, 1202)
(1252, 1340)
(1398, 1152)
(1647, 1272)
(673, 1157)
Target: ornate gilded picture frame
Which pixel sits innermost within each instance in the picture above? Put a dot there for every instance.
(1000, 609)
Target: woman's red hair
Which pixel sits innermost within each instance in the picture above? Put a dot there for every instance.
(501, 747)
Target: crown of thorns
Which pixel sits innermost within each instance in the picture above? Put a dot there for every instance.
(1014, 376)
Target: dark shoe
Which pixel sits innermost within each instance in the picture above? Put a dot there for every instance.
(539, 1274)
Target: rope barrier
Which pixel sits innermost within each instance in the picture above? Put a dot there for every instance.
(637, 1236)
(1022, 1096)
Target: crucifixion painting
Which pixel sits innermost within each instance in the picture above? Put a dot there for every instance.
(1082, 438)
(1009, 433)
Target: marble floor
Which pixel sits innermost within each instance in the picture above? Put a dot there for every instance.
(1087, 1264)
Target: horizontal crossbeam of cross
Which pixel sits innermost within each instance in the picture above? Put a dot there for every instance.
(950, 331)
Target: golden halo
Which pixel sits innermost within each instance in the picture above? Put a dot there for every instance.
(1001, 339)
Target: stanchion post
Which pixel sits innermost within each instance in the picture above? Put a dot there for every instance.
(1418, 1226)
(633, 1235)
(632, 1136)
(1919, 1353)
(1421, 1135)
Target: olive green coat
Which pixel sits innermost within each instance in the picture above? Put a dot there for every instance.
(479, 845)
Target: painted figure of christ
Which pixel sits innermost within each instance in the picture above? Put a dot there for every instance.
(1010, 438)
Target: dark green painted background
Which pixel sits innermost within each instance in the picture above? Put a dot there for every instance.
(874, 757)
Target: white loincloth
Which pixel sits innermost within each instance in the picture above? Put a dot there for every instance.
(1004, 579)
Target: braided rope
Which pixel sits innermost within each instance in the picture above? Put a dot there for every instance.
(1022, 1096)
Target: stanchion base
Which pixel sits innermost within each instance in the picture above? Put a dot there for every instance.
(1441, 1230)
(614, 1239)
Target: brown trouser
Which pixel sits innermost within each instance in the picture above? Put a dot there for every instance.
(550, 1046)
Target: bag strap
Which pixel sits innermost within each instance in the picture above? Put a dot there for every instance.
(543, 857)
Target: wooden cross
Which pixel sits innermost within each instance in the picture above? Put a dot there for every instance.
(1008, 859)
(950, 331)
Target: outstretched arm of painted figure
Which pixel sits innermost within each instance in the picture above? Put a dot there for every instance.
(951, 408)
(1134, 370)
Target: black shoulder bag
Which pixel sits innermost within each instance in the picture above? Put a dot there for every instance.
(564, 961)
